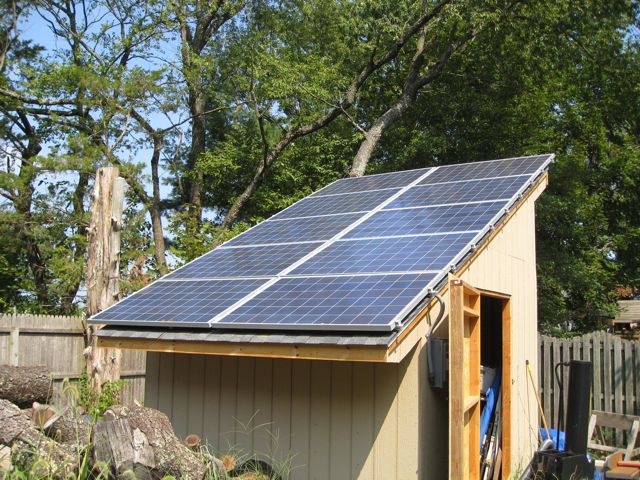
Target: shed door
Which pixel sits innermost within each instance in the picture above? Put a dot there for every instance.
(464, 381)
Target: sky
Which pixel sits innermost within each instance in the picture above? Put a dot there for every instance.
(35, 28)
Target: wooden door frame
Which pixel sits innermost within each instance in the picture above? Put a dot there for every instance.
(506, 377)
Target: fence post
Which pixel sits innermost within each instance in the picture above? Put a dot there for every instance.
(14, 341)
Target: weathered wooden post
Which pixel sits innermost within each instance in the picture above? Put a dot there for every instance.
(103, 365)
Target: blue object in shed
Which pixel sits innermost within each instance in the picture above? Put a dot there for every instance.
(554, 434)
(489, 406)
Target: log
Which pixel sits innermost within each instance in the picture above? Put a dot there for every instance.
(141, 440)
(30, 449)
(25, 385)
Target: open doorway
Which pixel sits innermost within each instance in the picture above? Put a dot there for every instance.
(495, 358)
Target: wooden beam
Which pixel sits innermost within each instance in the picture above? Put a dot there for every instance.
(267, 350)
(464, 381)
(458, 467)
(506, 388)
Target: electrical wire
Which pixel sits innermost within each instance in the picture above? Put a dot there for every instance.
(434, 325)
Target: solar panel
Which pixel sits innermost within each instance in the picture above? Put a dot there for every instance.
(244, 261)
(353, 302)
(372, 182)
(359, 254)
(339, 203)
(414, 221)
(459, 192)
(490, 169)
(396, 254)
(295, 230)
(181, 303)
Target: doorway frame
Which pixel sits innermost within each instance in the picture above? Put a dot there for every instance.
(506, 376)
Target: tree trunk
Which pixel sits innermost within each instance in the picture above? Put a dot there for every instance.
(154, 209)
(103, 269)
(374, 134)
(25, 385)
(142, 440)
(30, 449)
(198, 132)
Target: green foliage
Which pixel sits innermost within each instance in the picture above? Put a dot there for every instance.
(95, 404)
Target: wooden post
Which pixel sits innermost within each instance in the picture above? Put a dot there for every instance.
(103, 266)
(464, 381)
(14, 341)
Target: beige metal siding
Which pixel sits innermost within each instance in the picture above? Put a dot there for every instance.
(331, 420)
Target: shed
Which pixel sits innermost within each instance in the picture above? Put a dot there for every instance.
(627, 320)
(304, 340)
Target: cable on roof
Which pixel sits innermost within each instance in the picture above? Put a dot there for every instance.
(434, 325)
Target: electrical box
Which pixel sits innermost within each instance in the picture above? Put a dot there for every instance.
(440, 355)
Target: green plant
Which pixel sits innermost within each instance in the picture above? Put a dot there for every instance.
(95, 404)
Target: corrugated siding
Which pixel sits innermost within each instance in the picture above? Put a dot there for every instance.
(329, 420)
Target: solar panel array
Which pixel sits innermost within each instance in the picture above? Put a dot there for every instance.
(359, 254)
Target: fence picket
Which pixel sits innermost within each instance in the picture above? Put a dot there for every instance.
(636, 377)
(628, 378)
(546, 378)
(618, 376)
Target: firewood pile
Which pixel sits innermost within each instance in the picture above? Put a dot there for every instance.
(50, 442)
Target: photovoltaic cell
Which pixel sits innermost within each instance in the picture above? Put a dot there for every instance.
(347, 302)
(449, 218)
(350, 283)
(372, 182)
(493, 168)
(295, 230)
(244, 262)
(182, 303)
(400, 254)
(459, 192)
(341, 203)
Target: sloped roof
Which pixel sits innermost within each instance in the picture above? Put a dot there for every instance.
(380, 338)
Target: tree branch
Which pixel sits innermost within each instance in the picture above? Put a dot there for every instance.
(331, 115)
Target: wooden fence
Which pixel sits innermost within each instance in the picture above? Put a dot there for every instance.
(616, 371)
(57, 342)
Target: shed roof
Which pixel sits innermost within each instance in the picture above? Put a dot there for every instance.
(225, 334)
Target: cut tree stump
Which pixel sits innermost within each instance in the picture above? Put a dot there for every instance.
(30, 448)
(142, 440)
(25, 385)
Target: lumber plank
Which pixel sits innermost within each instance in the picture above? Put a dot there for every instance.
(471, 402)
(457, 467)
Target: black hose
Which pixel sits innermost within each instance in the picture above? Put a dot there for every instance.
(560, 420)
(434, 324)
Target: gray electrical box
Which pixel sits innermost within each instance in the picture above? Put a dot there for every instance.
(440, 355)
